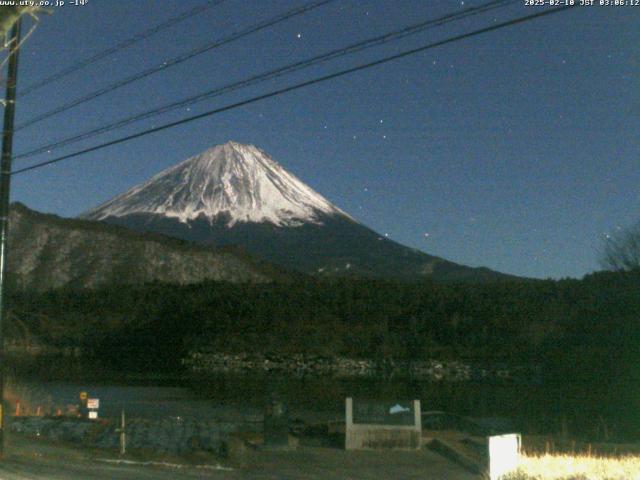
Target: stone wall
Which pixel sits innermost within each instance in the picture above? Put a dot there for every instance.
(173, 435)
(341, 367)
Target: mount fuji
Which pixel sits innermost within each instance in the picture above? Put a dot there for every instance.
(235, 194)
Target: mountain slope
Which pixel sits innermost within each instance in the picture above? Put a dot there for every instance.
(48, 252)
(235, 194)
(237, 180)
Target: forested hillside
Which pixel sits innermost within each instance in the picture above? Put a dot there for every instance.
(584, 334)
(509, 320)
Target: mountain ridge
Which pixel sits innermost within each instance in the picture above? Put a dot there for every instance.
(239, 180)
(49, 252)
(235, 194)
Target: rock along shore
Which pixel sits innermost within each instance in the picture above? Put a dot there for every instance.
(341, 367)
(173, 435)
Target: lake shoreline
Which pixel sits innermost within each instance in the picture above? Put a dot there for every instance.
(301, 365)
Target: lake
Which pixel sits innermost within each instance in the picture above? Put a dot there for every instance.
(533, 408)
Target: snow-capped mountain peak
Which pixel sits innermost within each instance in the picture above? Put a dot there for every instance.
(238, 181)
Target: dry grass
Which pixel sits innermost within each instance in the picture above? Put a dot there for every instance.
(577, 467)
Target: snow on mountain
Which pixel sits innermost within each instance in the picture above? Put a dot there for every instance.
(239, 181)
(237, 195)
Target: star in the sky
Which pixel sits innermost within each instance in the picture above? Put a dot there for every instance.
(299, 35)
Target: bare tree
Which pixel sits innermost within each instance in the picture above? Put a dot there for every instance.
(9, 15)
(621, 251)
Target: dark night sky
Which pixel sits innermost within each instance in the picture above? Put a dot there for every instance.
(517, 149)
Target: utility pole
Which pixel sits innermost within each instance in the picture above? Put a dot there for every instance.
(5, 186)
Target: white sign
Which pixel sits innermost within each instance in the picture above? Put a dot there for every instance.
(93, 403)
(397, 408)
(504, 454)
(93, 415)
(380, 424)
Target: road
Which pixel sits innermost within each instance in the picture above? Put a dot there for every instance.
(36, 460)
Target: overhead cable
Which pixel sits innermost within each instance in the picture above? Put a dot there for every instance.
(271, 74)
(175, 61)
(297, 86)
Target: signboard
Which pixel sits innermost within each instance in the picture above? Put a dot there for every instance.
(93, 415)
(382, 424)
(383, 413)
(504, 454)
(93, 403)
(83, 396)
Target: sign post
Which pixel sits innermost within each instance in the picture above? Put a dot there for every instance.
(93, 404)
(375, 424)
(123, 435)
(504, 454)
(276, 423)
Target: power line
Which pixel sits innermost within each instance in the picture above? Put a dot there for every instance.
(176, 61)
(353, 48)
(297, 86)
(119, 46)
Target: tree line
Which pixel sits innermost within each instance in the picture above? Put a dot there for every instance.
(585, 334)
